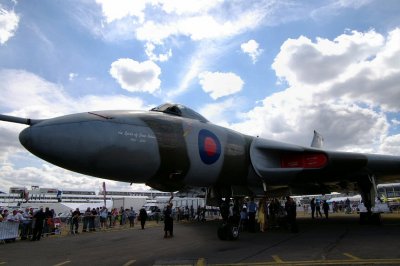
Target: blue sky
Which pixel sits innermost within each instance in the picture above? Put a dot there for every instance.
(277, 69)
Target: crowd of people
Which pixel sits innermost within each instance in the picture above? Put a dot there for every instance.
(102, 218)
(36, 223)
(264, 215)
(32, 223)
(317, 205)
(252, 216)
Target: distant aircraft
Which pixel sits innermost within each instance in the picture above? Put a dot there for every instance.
(171, 148)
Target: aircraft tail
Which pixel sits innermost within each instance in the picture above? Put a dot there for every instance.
(19, 120)
(317, 141)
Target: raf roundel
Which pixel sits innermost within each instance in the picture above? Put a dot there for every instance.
(209, 147)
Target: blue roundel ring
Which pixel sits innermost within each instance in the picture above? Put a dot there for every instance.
(209, 147)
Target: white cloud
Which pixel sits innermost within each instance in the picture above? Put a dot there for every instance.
(9, 144)
(341, 88)
(219, 84)
(162, 57)
(42, 100)
(355, 66)
(198, 61)
(49, 175)
(28, 95)
(25, 94)
(252, 48)
(72, 76)
(8, 24)
(118, 9)
(188, 6)
(395, 122)
(391, 145)
(136, 76)
(301, 61)
(155, 21)
(335, 7)
(220, 113)
(292, 117)
(161, 24)
(198, 27)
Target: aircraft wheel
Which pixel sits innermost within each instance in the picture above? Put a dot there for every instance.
(376, 219)
(233, 232)
(363, 218)
(228, 232)
(222, 232)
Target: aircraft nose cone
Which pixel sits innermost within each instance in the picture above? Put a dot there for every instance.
(25, 138)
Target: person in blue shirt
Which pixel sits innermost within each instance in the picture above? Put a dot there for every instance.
(251, 210)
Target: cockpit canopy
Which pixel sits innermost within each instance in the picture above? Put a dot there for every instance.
(179, 110)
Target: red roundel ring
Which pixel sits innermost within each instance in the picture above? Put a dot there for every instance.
(209, 147)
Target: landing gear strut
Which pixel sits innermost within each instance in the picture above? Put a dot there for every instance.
(368, 193)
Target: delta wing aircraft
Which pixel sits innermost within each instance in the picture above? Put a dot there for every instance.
(171, 148)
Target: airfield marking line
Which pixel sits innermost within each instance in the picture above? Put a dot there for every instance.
(63, 263)
(129, 263)
(277, 259)
(201, 262)
(317, 262)
(3, 262)
(351, 256)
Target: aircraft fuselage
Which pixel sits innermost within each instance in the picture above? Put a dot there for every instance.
(164, 151)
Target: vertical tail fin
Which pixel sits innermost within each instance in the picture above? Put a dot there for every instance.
(317, 141)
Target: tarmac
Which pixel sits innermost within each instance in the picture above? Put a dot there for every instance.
(340, 240)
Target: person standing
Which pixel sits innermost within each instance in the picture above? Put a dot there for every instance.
(318, 209)
(26, 224)
(103, 217)
(290, 207)
(251, 209)
(191, 212)
(86, 218)
(16, 217)
(92, 217)
(312, 205)
(75, 221)
(48, 222)
(325, 207)
(39, 219)
(261, 214)
(143, 217)
(168, 221)
(132, 217)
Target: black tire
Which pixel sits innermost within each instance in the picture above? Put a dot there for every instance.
(376, 219)
(363, 218)
(233, 232)
(222, 232)
(228, 232)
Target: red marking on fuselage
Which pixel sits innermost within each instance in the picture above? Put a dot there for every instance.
(311, 160)
(210, 146)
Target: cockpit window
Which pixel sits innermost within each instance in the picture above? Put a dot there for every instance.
(179, 110)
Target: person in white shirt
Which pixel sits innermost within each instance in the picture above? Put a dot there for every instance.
(26, 224)
(16, 216)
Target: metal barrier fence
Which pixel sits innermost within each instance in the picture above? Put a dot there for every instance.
(24, 229)
(8, 230)
(94, 223)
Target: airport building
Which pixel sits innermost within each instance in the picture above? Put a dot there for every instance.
(49, 195)
(64, 200)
